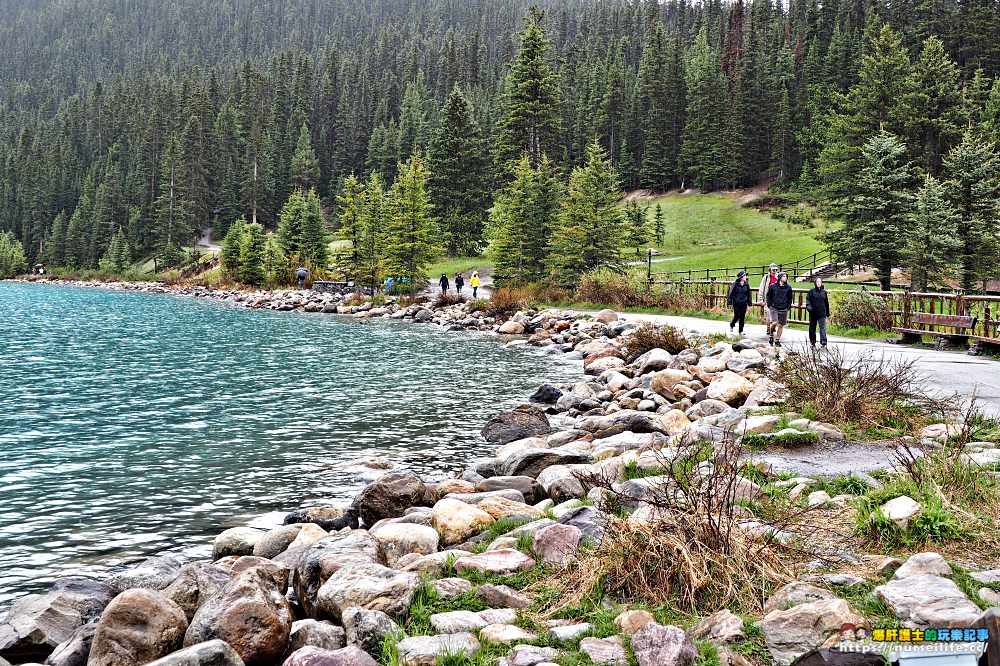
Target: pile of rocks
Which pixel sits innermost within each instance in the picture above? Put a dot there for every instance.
(333, 584)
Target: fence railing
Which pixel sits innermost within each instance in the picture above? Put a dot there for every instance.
(900, 305)
(803, 268)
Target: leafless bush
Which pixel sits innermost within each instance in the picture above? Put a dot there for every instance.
(866, 390)
(507, 300)
(406, 300)
(649, 336)
(618, 289)
(444, 299)
(860, 309)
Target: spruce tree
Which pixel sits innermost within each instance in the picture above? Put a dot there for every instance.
(371, 234)
(12, 258)
(232, 247)
(459, 185)
(932, 251)
(636, 227)
(705, 156)
(522, 220)
(252, 255)
(351, 202)
(173, 206)
(411, 233)
(590, 229)
(304, 170)
(276, 267)
(290, 224)
(938, 112)
(314, 242)
(55, 241)
(876, 218)
(972, 170)
(653, 112)
(531, 104)
(659, 224)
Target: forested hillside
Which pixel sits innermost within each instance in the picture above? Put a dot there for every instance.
(130, 125)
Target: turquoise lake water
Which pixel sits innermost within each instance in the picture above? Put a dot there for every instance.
(133, 424)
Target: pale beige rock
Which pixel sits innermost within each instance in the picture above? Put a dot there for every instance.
(456, 521)
(632, 621)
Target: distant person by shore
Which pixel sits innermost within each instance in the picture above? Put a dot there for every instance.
(459, 283)
(818, 306)
(740, 299)
(474, 283)
(443, 283)
(779, 302)
(301, 274)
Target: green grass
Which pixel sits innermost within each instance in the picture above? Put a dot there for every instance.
(864, 601)
(788, 440)
(715, 231)
(452, 265)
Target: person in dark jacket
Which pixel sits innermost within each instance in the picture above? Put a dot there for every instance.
(443, 283)
(818, 306)
(779, 302)
(301, 274)
(739, 298)
(459, 283)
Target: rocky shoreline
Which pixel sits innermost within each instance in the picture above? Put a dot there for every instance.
(339, 585)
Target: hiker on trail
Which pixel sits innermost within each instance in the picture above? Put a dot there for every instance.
(459, 283)
(474, 282)
(779, 302)
(739, 298)
(818, 305)
(301, 274)
(765, 284)
(443, 283)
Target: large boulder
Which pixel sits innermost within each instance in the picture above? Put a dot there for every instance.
(794, 594)
(137, 627)
(927, 600)
(329, 555)
(35, 625)
(370, 586)
(658, 645)
(367, 629)
(276, 541)
(330, 518)
(424, 650)
(236, 541)
(556, 545)
(723, 626)
(605, 651)
(797, 630)
(547, 394)
(664, 381)
(152, 573)
(561, 484)
(529, 488)
(402, 539)
(272, 568)
(390, 496)
(520, 423)
(209, 653)
(195, 583)
(503, 561)
(315, 633)
(531, 462)
(457, 521)
(729, 388)
(590, 521)
(249, 613)
(75, 650)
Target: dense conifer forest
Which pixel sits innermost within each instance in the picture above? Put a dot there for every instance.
(419, 127)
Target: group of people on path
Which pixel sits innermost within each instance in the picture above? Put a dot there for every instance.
(775, 296)
(459, 283)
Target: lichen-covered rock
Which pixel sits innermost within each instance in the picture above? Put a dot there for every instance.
(658, 645)
(370, 586)
(327, 556)
(137, 627)
(367, 629)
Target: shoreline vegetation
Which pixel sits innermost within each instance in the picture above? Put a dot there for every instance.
(644, 515)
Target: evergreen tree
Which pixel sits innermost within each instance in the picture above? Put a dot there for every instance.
(877, 216)
(411, 231)
(232, 247)
(530, 122)
(636, 228)
(12, 259)
(371, 236)
(459, 185)
(653, 111)
(659, 224)
(252, 255)
(590, 231)
(937, 105)
(705, 156)
(119, 256)
(290, 224)
(522, 220)
(932, 245)
(304, 170)
(351, 202)
(276, 268)
(173, 206)
(314, 243)
(972, 169)
(55, 241)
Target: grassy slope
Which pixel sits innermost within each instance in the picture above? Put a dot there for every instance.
(714, 231)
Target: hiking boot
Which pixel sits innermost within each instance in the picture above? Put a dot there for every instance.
(770, 339)
(731, 330)
(777, 343)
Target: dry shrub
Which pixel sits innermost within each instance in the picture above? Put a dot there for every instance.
(444, 299)
(860, 309)
(694, 552)
(684, 296)
(649, 336)
(356, 298)
(864, 390)
(406, 300)
(507, 300)
(610, 288)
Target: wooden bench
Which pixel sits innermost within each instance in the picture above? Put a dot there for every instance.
(957, 328)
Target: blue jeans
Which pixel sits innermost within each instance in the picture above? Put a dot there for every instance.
(813, 323)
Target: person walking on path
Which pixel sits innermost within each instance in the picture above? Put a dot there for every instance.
(779, 302)
(459, 283)
(739, 298)
(474, 282)
(443, 283)
(765, 284)
(301, 274)
(818, 306)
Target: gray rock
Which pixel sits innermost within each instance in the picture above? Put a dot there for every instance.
(236, 541)
(390, 496)
(330, 518)
(605, 651)
(315, 633)
(316, 656)
(531, 655)
(36, 624)
(557, 545)
(529, 488)
(151, 574)
(590, 521)
(370, 586)
(367, 629)
(424, 650)
(502, 595)
(723, 626)
(137, 627)
(209, 653)
(327, 556)
(923, 563)
(75, 650)
(276, 541)
(520, 423)
(531, 462)
(793, 632)
(928, 600)
(796, 593)
(987, 577)
(250, 613)
(570, 632)
(195, 583)
(449, 588)
(546, 394)
(658, 645)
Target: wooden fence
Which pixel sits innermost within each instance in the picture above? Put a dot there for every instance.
(713, 294)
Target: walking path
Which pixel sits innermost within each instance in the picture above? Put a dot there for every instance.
(951, 372)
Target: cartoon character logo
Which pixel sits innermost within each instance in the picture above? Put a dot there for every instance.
(861, 633)
(847, 631)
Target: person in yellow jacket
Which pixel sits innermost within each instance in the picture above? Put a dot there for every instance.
(474, 282)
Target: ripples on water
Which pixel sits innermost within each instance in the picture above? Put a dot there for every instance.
(132, 424)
